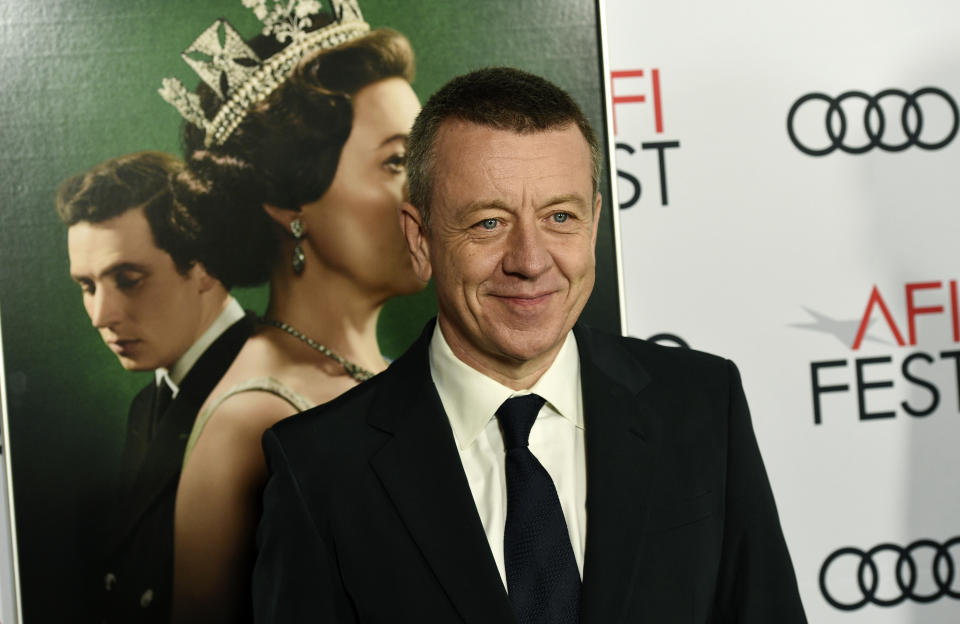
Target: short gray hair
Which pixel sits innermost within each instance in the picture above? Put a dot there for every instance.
(496, 97)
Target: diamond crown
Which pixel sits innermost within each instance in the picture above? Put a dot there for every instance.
(238, 76)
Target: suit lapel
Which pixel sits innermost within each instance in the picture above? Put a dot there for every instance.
(421, 470)
(423, 475)
(621, 451)
(160, 468)
(137, 438)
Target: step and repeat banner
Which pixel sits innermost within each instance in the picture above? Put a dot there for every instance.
(788, 179)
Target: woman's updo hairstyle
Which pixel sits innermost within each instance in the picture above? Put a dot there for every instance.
(284, 152)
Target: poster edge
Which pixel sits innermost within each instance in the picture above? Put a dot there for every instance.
(8, 468)
(611, 158)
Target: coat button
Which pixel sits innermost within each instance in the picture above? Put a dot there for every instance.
(146, 598)
(109, 581)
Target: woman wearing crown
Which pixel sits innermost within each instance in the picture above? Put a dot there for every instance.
(295, 171)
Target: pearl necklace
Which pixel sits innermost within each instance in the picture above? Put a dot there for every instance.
(357, 372)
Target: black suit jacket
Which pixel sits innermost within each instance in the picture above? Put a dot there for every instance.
(368, 516)
(135, 580)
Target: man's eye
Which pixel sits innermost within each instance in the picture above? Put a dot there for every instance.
(489, 224)
(126, 282)
(86, 287)
(561, 217)
(397, 163)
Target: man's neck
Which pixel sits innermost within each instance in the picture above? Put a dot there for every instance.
(220, 314)
(512, 373)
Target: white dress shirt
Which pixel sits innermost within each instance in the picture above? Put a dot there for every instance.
(232, 313)
(471, 400)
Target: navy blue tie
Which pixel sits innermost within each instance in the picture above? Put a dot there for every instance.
(542, 577)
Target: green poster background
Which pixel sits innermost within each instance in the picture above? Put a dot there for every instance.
(79, 82)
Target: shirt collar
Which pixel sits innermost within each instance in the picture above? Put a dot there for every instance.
(232, 312)
(471, 399)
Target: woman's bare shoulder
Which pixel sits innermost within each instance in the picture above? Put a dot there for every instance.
(248, 414)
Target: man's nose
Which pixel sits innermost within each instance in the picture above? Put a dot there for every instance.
(104, 308)
(527, 254)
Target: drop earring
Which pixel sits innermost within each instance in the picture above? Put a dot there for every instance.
(296, 228)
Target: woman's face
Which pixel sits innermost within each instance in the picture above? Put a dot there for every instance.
(354, 228)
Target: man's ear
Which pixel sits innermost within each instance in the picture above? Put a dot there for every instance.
(411, 224)
(281, 216)
(205, 281)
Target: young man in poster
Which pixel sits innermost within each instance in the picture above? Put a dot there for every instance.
(513, 465)
(157, 309)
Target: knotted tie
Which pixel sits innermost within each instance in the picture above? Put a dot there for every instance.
(542, 577)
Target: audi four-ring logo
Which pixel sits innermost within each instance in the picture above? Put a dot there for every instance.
(874, 121)
(904, 573)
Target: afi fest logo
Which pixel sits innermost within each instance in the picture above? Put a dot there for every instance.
(640, 89)
(856, 122)
(926, 377)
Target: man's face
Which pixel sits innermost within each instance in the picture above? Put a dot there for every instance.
(146, 312)
(513, 222)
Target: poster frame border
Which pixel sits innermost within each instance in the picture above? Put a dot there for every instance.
(17, 608)
(614, 200)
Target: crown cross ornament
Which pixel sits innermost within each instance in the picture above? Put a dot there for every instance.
(221, 65)
(238, 76)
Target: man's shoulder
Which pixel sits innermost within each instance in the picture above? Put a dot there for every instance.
(654, 357)
(635, 363)
(330, 446)
(345, 408)
(213, 362)
(347, 418)
(229, 342)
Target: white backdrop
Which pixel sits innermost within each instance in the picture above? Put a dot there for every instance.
(744, 244)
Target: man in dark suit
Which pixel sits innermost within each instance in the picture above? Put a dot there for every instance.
(513, 466)
(157, 309)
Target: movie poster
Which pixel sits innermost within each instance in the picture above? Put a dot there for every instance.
(80, 83)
